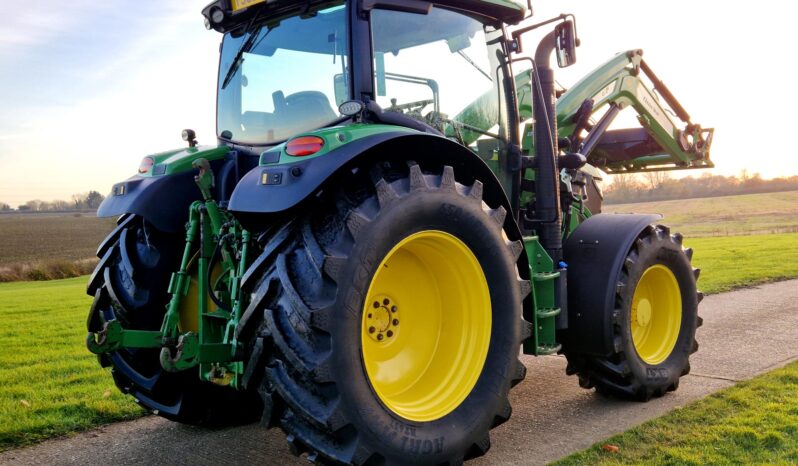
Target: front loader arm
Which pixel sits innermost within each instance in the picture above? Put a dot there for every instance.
(661, 143)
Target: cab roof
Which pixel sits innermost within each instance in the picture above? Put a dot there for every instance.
(236, 14)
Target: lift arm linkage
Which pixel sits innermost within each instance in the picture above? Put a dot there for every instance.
(661, 143)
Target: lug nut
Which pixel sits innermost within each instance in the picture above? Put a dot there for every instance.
(394, 308)
(386, 301)
(390, 333)
(396, 321)
(376, 304)
(372, 329)
(379, 336)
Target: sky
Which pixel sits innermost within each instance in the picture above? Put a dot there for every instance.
(87, 88)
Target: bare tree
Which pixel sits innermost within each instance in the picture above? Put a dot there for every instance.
(93, 199)
(654, 180)
(34, 205)
(60, 205)
(624, 183)
(78, 200)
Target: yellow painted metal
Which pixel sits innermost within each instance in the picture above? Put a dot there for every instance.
(189, 305)
(426, 326)
(656, 314)
(241, 4)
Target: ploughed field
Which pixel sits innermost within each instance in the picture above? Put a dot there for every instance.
(41, 246)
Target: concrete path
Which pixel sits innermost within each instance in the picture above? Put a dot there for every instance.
(745, 333)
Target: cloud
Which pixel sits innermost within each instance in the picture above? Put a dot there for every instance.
(29, 24)
(8, 137)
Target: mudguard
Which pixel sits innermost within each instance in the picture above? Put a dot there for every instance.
(276, 188)
(595, 253)
(163, 200)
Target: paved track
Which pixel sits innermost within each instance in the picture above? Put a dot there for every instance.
(745, 333)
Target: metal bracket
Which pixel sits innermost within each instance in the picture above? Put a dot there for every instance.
(113, 337)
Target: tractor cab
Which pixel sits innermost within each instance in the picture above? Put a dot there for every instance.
(287, 67)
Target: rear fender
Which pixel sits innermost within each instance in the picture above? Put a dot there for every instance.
(595, 253)
(279, 188)
(164, 201)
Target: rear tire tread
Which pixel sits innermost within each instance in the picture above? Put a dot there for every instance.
(294, 321)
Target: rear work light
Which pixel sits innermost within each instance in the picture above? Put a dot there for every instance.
(304, 145)
(146, 165)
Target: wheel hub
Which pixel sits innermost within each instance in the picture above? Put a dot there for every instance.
(643, 312)
(382, 320)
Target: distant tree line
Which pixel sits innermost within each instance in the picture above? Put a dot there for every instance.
(81, 201)
(660, 186)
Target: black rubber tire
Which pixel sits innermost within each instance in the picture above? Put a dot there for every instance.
(304, 320)
(623, 373)
(130, 285)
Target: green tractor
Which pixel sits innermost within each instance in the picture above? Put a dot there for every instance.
(398, 201)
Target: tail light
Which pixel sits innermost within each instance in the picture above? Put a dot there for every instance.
(146, 165)
(304, 145)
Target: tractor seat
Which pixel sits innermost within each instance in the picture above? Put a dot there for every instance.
(304, 110)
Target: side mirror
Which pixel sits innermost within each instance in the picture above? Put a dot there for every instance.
(565, 43)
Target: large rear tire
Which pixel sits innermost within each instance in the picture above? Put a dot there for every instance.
(385, 323)
(130, 285)
(653, 324)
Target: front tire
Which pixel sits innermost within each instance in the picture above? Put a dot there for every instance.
(653, 324)
(385, 325)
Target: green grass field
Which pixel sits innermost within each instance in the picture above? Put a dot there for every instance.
(724, 216)
(51, 385)
(754, 422)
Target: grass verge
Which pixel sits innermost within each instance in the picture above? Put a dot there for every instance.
(47, 270)
(51, 385)
(753, 422)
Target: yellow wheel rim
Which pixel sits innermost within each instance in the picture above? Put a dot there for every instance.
(656, 314)
(189, 304)
(426, 326)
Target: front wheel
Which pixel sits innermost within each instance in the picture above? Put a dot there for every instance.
(387, 327)
(654, 321)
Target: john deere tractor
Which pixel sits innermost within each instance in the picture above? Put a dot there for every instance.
(399, 199)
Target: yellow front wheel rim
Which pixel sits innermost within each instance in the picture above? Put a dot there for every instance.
(426, 326)
(656, 314)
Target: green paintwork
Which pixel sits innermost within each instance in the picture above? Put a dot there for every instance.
(180, 160)
(113, 337)
(543, 273)
(618, 82)
(336, 137)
